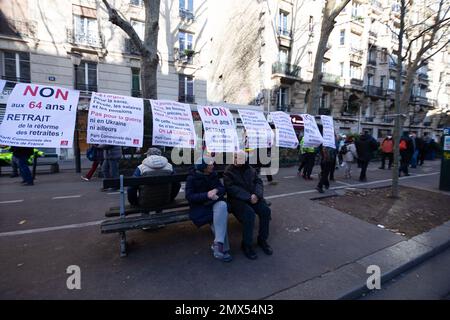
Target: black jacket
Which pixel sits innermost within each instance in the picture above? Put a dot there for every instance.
(22, 152)
(242, 182)
(365, 146)
(197, 187)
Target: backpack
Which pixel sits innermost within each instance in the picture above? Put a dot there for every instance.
(344, 149)
(91, 153)
(403, 145)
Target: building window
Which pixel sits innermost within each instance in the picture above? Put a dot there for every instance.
(86, 76)
(355, 71)
(15, 66)
(370, 80)
(139, 27)
(283, 56)
(391, 85)
(324, 101)
(86, 31)
(283, 23)
(342, 68)
(324, 66)
(311, 24)
(283, 96)
(186, 89)
(342, 37)
(137, 2)
(186, 41)
(356, 8)
(136, 82)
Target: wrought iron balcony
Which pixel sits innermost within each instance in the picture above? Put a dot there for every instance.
(325, 111)
(369, 119)
(86, 87)
(331, 78)
(284, 107)
(85, 39)
(286, 69)
(373, 91)
(388, 119)
(356, 82)
(19, 28)
(186, 98)
(284, 32)
(186, 14)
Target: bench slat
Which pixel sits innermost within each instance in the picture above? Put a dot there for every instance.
(115, 211)
(124, 224)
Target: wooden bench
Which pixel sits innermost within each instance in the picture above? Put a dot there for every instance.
(131, 217)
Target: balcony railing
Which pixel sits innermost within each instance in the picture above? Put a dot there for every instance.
(19, 28)
(373, 34)
(284, 107)
(325, 111)
(331, 78)
(184, 56)
(356, 82)
(388, 119)
(186, 14)
(286, 69)
(86, 39)
(369, 119)
(186, 98)
(130, 48)
(284, 32)
(85, 87)
(424, 101)
(16, 79)
(373, 91)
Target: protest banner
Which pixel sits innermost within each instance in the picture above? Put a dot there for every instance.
(285, 132)
(312, 136)
(328, 131)
(39, 116)
(172, 124)
(115, 120)
(257, 129)
(220, 130)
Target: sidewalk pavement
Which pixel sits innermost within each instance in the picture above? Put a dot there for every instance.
(319, 252)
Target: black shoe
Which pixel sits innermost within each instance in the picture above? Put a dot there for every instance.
(327, 187)
(249, 252)
(28, 184)
(382, 168)
(265, 247)
(320, 190)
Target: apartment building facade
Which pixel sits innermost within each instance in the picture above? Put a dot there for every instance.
(269, 56)
(72, 43)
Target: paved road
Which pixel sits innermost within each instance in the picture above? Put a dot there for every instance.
(46, 228)
(429, 280)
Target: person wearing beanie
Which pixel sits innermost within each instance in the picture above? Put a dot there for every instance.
(205, 194)
(154, 164)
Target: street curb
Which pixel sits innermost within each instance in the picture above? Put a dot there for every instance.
(437, 248)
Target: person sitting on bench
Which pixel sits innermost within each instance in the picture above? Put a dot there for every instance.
(245, 195)
(152, 196)
(205, 194)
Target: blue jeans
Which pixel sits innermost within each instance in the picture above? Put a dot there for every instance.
(110, 168)
(25, 172)
(220, 223)
(414, 159)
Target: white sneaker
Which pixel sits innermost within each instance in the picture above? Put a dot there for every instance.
(84, 178)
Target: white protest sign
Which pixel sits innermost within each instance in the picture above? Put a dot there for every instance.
(2, 85)
(39, 116)
(172, 124)
(312, 136)
(258, 131)
(220, 130)
(328, 131)
(286, 136)
(115, 120)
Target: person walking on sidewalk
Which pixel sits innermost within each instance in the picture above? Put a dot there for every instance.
(406, 153)
(112, 155)
(308, 159)
(95, 154)
(205, 194)
(365, 146)
(328, 156)
(387, 151)
(245, 193)
(349, 155)
(20, 157)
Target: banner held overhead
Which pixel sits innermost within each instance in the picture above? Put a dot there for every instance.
(257, 129)
(285, 132)
(172, 124)
(115, 120)
(328, 131)
(220, 130)
(39, 116)
(312, 136)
